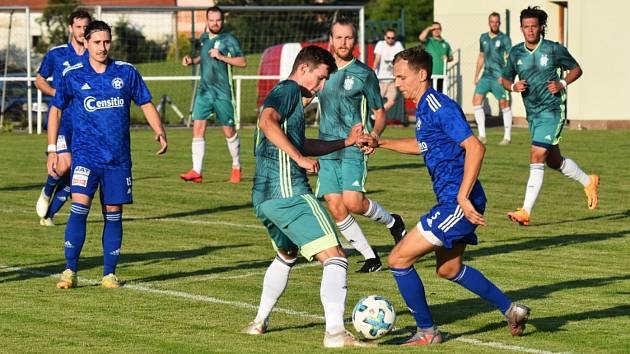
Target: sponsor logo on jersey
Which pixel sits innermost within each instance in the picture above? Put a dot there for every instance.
(66, 63)
(91, 104)
(418, 124)
(80, 176)
(86, 87)
(61, 142)
(348, 83)
(519, 62)
(118, 83)
(423, 146)
(497, 44)
(544, 60)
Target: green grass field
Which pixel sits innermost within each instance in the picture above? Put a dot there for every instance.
(194, 256)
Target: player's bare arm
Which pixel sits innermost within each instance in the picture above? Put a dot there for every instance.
(44, 86)
(53, 129)
(478, 66)
(153, 118)
(557, 86)
(239, 62)
(269, 123)
(404, 146)
(475, 151)
(377, 61)
(318, 147)
(187, 60)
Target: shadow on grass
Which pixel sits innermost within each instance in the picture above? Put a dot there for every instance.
(400, 166)
(126, 258)
(26, 187)
(461, 309)
(195, 212)
(613, 216)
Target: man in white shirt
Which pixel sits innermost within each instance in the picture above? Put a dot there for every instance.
(384, 53)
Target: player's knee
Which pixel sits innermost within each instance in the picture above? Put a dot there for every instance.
(396, 260)
(112, 208)
(356, 204)
(447, 271)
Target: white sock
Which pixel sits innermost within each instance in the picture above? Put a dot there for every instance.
(333, 293)
(274, 283)
(198, 150)
(507, 123)
(352, 232)
(377, 213)
(570, 169)
(480, 118)
(534, 183)
(234, 145)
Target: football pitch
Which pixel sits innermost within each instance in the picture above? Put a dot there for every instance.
(194, 256)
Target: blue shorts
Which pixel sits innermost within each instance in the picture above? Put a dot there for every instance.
(114, 183)
(446, 225)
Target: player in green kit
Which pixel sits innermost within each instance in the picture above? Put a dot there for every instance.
(538, 63)
(349, 96)
(493, 51)
(284, 202)
(219, 52)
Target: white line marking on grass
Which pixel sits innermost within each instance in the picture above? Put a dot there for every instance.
(231, 277)
(214, 300)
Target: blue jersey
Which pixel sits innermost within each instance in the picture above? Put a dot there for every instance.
(101, 104)
(440, 129)
(56, 60)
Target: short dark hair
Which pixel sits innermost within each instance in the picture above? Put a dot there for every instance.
(314, 56)
(535, 12)
(214, 9)
(97, 26)
(78, 14)
(494, 14)
(417, 59)
(437, 23)
(344, 21)
(390, 29)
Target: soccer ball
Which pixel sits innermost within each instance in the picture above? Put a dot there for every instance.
(373, 316)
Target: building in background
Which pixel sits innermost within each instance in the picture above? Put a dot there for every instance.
(591, 30)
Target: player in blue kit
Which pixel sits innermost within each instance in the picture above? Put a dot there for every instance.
(99, 92)
(55, 62)
(453, 156)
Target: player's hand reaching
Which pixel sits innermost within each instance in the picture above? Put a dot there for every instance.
(554, 87)
(187, 60)
(161, 138)
(214, 53)
(309, 165)
(519, 86)
(51, 163)
(470, 212)
(355, 133)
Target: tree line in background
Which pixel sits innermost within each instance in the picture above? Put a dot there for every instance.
(133, 46)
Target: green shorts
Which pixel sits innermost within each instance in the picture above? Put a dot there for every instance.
(205, 105)
(545, 128)
(338, 175)
(485, 85)
(298, 223)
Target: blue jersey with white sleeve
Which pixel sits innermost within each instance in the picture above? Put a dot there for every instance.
(56, 60)
(101, 103)
(440, 129)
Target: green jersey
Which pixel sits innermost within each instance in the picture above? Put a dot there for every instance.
(216, 75)
(348, 97)
(495, 48)
(538, 66)
(277, 175)
(438, 48)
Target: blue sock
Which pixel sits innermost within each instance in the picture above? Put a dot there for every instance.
(75, 234)
(49, 187)
(112, 240)
(412, 291)
(59, 199)
(471, 279)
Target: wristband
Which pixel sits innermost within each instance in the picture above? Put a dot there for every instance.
(512, 87)
(52, 148)
(563, 82)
